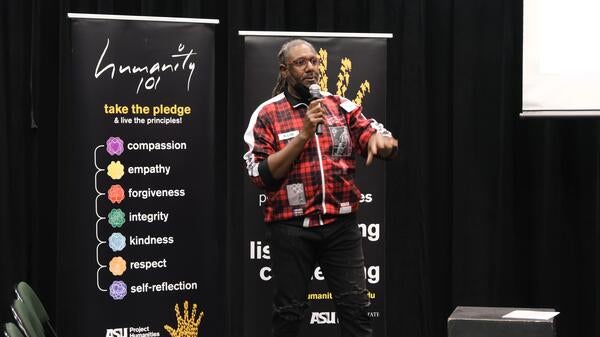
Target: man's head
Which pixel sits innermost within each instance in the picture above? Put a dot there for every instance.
(298, 67)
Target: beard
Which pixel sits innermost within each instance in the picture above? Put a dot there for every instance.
(303, 92)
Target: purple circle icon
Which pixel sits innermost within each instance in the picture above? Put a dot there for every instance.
(114, 146)
(118, 290)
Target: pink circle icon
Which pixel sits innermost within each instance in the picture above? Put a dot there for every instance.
(114, 146)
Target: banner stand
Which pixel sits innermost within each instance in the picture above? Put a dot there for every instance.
(354, 66)
(138, 236)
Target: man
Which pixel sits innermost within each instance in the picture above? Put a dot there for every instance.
(312, 197)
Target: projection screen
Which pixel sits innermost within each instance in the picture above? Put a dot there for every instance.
(561, 58)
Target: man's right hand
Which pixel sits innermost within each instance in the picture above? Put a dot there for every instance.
(314, 116)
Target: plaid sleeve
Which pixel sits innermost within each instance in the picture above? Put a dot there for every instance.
(361, 127)
(260, 141)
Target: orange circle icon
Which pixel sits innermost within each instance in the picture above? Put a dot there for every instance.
(116, 194)
(117, 266)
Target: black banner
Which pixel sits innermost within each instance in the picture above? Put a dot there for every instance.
(354, 68)
(138, 243)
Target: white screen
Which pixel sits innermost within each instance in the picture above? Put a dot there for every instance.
(561, 58)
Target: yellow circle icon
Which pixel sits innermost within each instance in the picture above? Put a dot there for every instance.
(115, 170)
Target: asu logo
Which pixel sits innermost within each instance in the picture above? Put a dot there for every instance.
(343, 78)
(323, 318)
(119, 332)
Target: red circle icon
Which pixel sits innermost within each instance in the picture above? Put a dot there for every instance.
(116, 194)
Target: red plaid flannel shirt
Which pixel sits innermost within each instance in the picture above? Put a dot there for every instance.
(320, 184)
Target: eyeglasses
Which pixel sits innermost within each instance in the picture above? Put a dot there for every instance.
(303, 61)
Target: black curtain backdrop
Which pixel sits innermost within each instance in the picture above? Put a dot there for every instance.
(484, 208)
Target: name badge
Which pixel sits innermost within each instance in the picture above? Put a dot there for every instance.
(288, 135)
(349, 106)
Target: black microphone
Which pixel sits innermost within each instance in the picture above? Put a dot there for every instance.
(315, 93)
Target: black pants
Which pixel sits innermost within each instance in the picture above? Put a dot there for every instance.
(295, 252)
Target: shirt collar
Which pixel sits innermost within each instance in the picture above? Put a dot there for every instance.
(295, 102)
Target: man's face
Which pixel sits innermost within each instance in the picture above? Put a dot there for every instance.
(302, 67)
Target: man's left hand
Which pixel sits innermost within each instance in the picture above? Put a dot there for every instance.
(380, 146)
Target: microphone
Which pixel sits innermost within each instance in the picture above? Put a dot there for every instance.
(315, 93)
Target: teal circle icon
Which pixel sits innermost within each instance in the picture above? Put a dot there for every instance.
(116, 218)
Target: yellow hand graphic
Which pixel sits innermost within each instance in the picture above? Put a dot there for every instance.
(323, 69)
(187, 326)
(343, 78)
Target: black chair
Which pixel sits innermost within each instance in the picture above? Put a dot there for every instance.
(27, 319)
(28, 295)
(12, 330)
